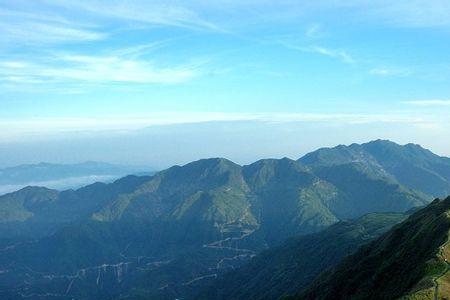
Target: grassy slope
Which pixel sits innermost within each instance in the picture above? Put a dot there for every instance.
(403, 261)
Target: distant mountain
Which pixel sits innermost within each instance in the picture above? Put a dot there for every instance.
(34, 212)
(286, 269)
(411, 165)
(165, 236)
(408, 262)
(62, 176)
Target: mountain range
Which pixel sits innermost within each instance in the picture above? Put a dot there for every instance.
(410, 165)
(62, 176)
(170, 235)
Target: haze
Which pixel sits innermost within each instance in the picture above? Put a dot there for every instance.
(160, 83)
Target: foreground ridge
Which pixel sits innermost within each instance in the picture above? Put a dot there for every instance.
(408, 262)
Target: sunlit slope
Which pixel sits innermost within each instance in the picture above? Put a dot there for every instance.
(411, 165)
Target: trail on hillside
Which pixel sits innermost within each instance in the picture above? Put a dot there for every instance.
(447, 268)
(231, 244)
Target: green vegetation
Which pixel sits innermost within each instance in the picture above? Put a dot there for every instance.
(404, 262)
(290, 267)
(411, 165)
(170, 234)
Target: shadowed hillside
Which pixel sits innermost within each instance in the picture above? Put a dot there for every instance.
(409, 262)
(169, 234)
(287, 269)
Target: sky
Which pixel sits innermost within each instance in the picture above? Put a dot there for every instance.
(165, 82)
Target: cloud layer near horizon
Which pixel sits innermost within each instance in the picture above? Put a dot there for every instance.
(242, 141)
(39, 128)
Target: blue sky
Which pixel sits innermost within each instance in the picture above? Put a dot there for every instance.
(91, 68)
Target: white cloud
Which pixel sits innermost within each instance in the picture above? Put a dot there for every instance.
(431, 102)
(13, 64)
(314, 30)
(415, 13)
(68, 68)
(338, 54)
(20, 127)
(146, 12)
(388, 71)
(18, 27)
(42, 16)
(39, 33)
(140, 50)
(23, 27)
(398, 13)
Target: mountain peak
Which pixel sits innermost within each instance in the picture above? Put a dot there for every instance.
(381, 142)
(411, 164)
(202, 173)
(387, 144)
(281, 165)
(216, 163)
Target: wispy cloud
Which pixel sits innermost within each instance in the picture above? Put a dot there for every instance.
(338, 54)
(417, 13)
(313, 30)
(140, 50)
(334, 53)
(389, 71)
(30, 14)
(42, 38)
(24, 28)
(146, 12)
(431, 102)
(399, 13)
(96, 69)
(41, 33)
